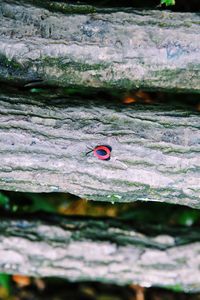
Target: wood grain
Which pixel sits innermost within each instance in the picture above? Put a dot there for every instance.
(101, 250)
(44, 141)
(67, 45)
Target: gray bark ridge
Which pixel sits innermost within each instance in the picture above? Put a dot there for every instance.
(102, 250)
(119, 49)
(155, 149)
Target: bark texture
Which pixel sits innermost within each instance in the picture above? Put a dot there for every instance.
(63, 46)
(102, 250)
(155, 156)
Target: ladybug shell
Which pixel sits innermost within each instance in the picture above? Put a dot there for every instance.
(102, 152)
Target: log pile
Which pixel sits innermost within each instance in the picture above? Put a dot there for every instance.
(45, 137)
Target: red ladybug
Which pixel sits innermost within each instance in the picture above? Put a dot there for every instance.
(102, 152)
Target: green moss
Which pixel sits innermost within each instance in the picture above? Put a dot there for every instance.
(114, 198)
(10, 64)
(125, 83)
(70, 9)
(167, 74)
(64, 8)
(75, 66)
(175, 288)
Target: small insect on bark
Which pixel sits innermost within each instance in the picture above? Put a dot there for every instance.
(102, 152)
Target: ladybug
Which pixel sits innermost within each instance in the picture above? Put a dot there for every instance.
(102, 152)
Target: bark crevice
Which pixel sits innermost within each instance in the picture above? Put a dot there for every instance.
(100, 249)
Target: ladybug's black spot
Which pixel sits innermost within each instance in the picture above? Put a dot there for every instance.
(109, 147)
(107, 158)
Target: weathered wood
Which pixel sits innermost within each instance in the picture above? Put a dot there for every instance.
(103, 250)
(155, 156)
(120, 49)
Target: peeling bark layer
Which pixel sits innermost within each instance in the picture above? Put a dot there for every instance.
(102, 250)
(120, 49)
(155, 156)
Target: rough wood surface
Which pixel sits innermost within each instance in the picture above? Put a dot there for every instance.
(155, 156)
(103, 250)
(120, 49)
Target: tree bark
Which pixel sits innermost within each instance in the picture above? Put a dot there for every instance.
(155, 149)
(68, 45)
(102, 250)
